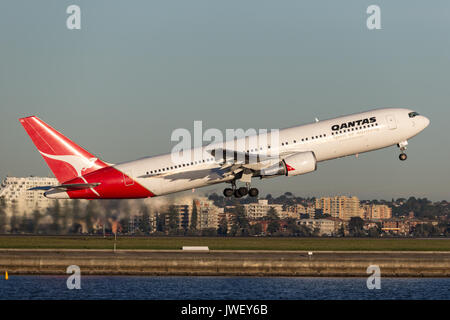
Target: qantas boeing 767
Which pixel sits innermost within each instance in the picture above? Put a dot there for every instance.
(295, 151)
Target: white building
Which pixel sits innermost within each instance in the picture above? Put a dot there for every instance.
(260, 209)
(288, 215)
(325, 226)
(135, 223)
(207, 214)
(20, 199)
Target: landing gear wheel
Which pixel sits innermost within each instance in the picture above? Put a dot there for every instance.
(237, 194)
(243, 191)
(228, 192)
(403, 156)
(253, 192)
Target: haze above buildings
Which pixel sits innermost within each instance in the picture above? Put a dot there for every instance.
(26, 211)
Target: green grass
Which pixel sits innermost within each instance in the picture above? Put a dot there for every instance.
(250, 243)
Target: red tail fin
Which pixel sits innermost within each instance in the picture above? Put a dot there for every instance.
(66, 159)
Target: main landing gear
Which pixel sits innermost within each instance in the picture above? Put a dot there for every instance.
(402, 145)
(240, 192)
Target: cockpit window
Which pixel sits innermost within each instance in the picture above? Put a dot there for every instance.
(413, 114)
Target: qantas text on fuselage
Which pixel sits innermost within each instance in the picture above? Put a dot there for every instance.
(295, 151)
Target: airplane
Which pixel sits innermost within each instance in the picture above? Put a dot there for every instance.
(295, 151)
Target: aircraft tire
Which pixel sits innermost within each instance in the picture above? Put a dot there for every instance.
(253, 192)
(228, 192)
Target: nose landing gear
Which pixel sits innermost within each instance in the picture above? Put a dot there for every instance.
(402, 145)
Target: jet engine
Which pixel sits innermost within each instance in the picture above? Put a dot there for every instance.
(300, 163)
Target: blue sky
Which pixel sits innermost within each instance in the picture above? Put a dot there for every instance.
(137, 70)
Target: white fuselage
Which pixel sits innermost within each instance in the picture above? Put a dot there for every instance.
(327, 139)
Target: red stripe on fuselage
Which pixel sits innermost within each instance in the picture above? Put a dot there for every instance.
(112, 186)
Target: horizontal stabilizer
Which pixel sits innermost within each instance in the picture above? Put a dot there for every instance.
(73, 186)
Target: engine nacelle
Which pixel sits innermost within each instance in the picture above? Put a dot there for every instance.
(296, 164)
(300, 163)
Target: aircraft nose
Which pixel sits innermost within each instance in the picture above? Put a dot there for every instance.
(425, 121)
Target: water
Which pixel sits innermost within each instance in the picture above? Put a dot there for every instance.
(161, 288)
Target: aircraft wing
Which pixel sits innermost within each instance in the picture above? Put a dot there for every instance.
(237, 161)
(231, 157)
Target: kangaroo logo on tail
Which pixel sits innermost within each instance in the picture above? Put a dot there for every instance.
(79, 163)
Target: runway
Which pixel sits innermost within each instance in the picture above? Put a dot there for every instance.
(226, 262)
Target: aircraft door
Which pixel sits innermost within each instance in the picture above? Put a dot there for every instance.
(392, 124)
(128, 178)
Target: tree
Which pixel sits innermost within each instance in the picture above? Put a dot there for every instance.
(241, 226)
(425, 230)
(209, 232)
(292, 228)
(124, 225)
(36, 217)
(374, 232)
(355, 226)
(75, 211)
(173, 219)
(223, 227)
(193, 224)
(161, 222)
(145, 220)
(274, 221)
(320, 215)
(90, 214)
(65, 214)
(256, 229)
(13, 222)
(341, 231)
(55, 213)
(2, 215)
(26, 224)
(234, 230)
